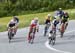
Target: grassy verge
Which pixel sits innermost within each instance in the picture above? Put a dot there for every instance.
(25, 19)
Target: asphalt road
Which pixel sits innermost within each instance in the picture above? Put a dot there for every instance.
(19, 43)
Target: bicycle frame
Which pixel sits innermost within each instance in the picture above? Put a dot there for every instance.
(32, 35)
(62, 29)
(53, 37)
(46, 29)
(10, 33)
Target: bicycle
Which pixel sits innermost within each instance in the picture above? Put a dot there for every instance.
(52, 39)
(11, 33)
(62, 29)
(46, 29)
(32, 35)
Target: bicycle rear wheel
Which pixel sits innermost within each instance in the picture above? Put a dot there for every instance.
(50, 39)
(9, 36)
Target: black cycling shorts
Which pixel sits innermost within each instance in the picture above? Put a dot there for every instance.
(11, 25)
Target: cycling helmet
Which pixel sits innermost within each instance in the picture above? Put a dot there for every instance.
(49, 15)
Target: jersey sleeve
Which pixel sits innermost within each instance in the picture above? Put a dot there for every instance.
(32, 22)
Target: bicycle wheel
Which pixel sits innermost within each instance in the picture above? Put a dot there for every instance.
(10, 36)
(54, 37)
(53, 42)
(31, 37)
(62, 34)
(50, 39)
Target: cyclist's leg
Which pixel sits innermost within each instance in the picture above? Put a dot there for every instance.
(37, 28)
(45, 30)
(30, 31)
(8, 31)
(34, 32)
(62, 29)
(60, 20)
(16, 29)
(66, 24)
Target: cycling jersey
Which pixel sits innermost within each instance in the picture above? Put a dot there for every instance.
(47, 21)
(34, 23)
(59, 13)
(65, 18)
(55, 22)
(12, 23)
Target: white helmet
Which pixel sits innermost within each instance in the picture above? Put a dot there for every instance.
(49, 15)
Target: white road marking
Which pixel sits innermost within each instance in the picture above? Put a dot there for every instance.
(51, 48)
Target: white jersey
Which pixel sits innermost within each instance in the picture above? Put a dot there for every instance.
(53, 21)
(12, 22)
(34, 22)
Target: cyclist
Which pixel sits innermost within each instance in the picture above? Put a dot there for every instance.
(65, 19)
(55, 22)
(48, 19)
(34, 23)
(50, 35)
(14, 22)
(64, 23)
(59, 13)
(47, 23)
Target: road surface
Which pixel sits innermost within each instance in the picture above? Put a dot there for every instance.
(19, 43)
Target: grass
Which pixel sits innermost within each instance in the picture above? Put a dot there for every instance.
(25, 19)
